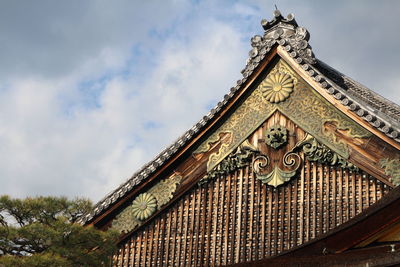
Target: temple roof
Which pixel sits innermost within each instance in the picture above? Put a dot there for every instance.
(381, 113)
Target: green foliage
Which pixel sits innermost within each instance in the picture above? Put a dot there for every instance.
(42, 231)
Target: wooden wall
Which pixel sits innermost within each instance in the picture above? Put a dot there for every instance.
(235, 218)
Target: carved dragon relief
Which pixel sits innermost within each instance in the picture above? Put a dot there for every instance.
(297, 101)
(145, 204)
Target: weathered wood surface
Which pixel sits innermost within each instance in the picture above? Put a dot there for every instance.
(235, 218)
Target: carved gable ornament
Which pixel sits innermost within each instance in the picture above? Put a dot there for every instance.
(146, 204)
(284, 91)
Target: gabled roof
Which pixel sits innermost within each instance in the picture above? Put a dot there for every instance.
(284, 32)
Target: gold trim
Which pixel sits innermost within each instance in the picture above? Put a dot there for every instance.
(305, 107)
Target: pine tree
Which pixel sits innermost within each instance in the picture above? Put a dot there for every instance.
(43, 231)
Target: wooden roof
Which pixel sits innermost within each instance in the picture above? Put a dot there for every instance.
(285, 37)
(354, 127)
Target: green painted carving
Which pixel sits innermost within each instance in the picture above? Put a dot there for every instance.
(145, 204)
(241, 157)
(314, 151)
(392, 169)
(305, 107)
(276, 136)
(277, 87)
(276, 177)
(125, 221)
(246, 154)
(164, 190)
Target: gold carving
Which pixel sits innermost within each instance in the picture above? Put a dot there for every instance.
(291, 161)
(143, 206)
(164, 190)
(277, 87)
(305, 107)
(146, 204)
(392, 169)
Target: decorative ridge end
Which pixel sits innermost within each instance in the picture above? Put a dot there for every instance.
(280, 31)
(278, 18)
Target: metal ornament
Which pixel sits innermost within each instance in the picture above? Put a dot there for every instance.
(143, 206)
(277, 87)
(276, 177)
(276, 136)
(146, 204)
(304, 107)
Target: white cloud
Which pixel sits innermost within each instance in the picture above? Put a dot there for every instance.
(91, 92)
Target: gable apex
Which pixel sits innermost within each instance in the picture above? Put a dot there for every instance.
(285, 34)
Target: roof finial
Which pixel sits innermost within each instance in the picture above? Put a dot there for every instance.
(277, 13)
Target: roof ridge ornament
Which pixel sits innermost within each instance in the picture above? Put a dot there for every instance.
(280, 31)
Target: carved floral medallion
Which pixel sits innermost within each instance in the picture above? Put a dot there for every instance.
(143, 206)
(277, 87)
(146, 204)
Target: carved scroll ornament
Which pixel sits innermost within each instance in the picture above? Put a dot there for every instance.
(277, 176)
(271, 173)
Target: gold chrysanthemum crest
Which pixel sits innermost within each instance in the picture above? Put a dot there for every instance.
(277, 87)
(143, 206)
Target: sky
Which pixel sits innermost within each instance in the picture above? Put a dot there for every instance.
(92, 90)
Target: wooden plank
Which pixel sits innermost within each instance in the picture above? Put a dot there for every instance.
(244, 209)
(320, 175)
(249, 256)
(256, 236)
(209, 222)
(197, 226)
(295, 206)
(222, 221)
(334, 197)
(168, 238)
(185, 225)
(280, 215)
(327, 207)
(234, 218)
(340, 193)
(307, 196)
(156, 242)
(144, 242)
(139, 250)
(302, 206)
(314, 206)
(181, 231)
(239, 218)
(353, 194)
(202, 225)
(269, 229)
(288, 215)
(275, 219)
(132, 252)
(263, 221)
(228, 220)
(367, 190)
(346, 194)
(215, 221)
